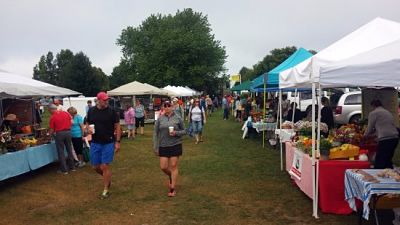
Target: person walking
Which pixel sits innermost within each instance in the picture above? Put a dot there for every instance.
(225, 107)
(103, 123)
(140, 116)
(209, 103)
(238, 107)
(88, 106)
(177, 108)
(60, 126)
(129, 118)
(197, 117)
(382, 123)
(167, 142)
(77, 135)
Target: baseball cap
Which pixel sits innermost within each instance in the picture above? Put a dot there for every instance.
(175, 99)
(102, 96)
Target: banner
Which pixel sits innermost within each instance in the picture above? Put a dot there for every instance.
(235, 77)
(297, 164)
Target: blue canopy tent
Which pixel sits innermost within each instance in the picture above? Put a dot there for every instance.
(270, 82)
(273, 76)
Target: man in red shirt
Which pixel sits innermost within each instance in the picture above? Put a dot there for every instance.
(60, 125)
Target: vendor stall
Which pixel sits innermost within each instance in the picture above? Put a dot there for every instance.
(24, 145)
(150, 96)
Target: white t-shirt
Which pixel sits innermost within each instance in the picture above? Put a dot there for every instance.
(196, 114)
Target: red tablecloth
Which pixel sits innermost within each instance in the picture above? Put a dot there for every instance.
(331, 180)
(331, 184)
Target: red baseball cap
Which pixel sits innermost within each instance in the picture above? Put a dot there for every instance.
(102, 96)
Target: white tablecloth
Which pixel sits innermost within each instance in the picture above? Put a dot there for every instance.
(356, 187)
(264, 126)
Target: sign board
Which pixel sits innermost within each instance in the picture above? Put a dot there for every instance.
(297, 164)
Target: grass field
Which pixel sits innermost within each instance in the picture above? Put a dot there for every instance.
(225, 180)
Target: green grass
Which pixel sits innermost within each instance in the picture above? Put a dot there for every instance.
(225, 180)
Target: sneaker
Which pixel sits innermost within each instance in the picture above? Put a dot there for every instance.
(172, 193)
(104, 195)
(73, 170)
(62, 172)
(81, 164)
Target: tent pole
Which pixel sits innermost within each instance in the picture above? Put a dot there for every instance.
(265, 91)
(315, 201)
(318, 144)
(293, 110)
(280, 127)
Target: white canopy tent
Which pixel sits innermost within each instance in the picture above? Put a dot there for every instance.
(13, 85)
(374, 34)
(377, 67)
(136, 88)
(181, 91)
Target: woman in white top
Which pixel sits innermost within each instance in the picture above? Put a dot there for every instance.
(198, 119)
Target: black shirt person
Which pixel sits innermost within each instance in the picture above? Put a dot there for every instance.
(327, 113)
(297, 113)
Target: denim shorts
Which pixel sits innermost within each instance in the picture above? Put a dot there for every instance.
(197, 127)
(101, 153)
(130, 126)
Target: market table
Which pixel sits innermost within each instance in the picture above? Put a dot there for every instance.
(16, 163)
(357, 188)
(331, 179)
(42, 155)
(13, 164)
(259, 126)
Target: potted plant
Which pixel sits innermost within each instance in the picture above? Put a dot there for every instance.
(324, 148)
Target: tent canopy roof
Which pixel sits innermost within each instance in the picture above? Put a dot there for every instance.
(13, 85)
(243, 86)
(273, 76)
(377, 67)
(136, 88)
(374, 34)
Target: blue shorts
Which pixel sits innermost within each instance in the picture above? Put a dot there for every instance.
(130, 126)
(101, 153)
(197, 127)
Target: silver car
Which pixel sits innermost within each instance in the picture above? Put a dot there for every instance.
(348, 109)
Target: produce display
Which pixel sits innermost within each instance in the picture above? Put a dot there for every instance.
(11, 143)
(346, 142)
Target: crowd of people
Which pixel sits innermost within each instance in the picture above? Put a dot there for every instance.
(102, 129)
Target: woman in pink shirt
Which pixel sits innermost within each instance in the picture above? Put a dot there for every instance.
(129, 117)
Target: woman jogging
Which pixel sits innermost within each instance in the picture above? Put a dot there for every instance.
(167, 138)
(197, 119)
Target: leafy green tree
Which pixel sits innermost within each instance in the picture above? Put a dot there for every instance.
(172, 50)
(45, 70)
(73, 71)
(124, 73)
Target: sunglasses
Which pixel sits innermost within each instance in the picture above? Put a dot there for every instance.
(167, 104)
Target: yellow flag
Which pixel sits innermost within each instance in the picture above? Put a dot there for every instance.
(235, 77)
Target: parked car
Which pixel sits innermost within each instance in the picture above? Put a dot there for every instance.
(348, 109)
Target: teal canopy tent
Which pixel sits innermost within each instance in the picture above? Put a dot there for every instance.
(273, 76)
(243, 86)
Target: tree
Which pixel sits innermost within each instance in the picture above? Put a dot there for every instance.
(172, 50)
(124, 73)
(71, 71)
(45, 70)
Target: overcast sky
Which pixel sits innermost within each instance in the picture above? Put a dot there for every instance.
(248, 29)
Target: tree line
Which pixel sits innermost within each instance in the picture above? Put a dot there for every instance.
(177, 49)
